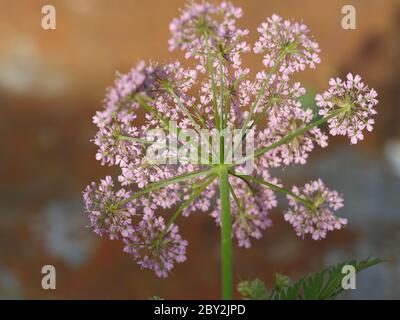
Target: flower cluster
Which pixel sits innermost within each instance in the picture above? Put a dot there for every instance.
(357, 103)
(283, 40)
(318, 217)
(155, 245)
(204, 27)
(228, 98)
(106, 214)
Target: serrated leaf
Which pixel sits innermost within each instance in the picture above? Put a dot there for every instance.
(324, 285)
(281, 282)
(254, 290)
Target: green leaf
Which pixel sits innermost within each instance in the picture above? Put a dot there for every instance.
(253, 290)
(281, 282)
(291, 293)
(324, 285)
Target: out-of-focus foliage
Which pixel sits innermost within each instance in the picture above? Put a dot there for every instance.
(324, 285)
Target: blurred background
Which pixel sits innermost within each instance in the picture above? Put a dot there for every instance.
(51, 84)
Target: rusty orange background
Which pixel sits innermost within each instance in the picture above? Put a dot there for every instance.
(52, 82)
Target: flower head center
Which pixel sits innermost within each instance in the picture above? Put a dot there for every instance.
(290, 47)
(317, 203)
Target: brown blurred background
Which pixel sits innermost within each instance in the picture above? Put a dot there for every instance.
(52, 82)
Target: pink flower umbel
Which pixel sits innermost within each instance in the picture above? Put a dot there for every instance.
(155, 245)
(206, 26)
(106, 214)
(283, 39)
(316, 218)
(210, 136)
(357, 103)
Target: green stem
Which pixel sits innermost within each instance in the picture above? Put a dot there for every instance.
(237, 201)
(183, 108)
(126, 138)
(264, 111)
(221, 91)
(142, 101)
(274, 187)
(221, 106)
(212, 76)
(189, 115)
(289, 137)
(226, 237)
(158, 185)
(260, 94)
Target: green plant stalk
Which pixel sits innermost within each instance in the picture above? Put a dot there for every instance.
(161, 184)
(221, 105)
(212, 76)
(226, 219)
(142, 102)
(289, 137)
(187, 113)
(260, 93)
(221, 94)
(264, 111)
(274, 187)
(226, 238)
(126, 138)
(183, 108)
